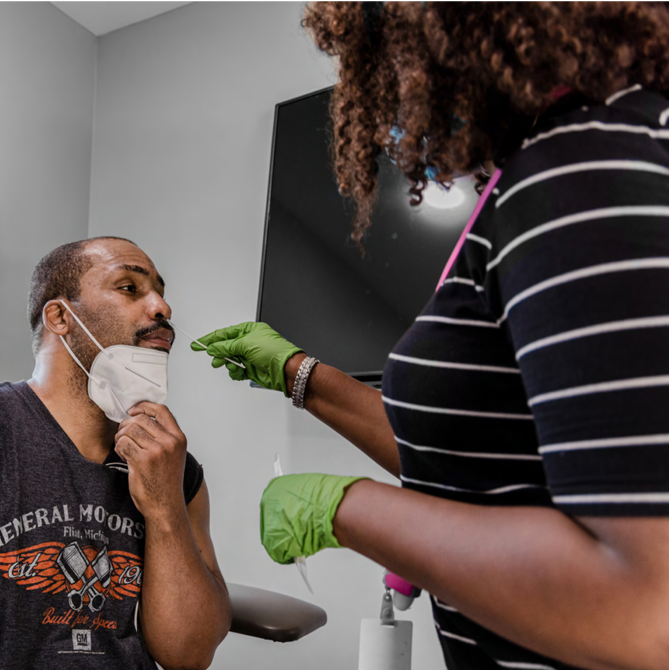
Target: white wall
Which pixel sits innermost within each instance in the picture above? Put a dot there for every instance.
(183, 128)
(47, 70)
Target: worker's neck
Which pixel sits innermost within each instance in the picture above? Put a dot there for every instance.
(62, 386)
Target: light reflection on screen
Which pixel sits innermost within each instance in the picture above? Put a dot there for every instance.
(315, 289)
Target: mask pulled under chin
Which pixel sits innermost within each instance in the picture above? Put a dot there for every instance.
(122, 376)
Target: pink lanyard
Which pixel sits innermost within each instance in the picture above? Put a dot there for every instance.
(394, 581)
(477, 210)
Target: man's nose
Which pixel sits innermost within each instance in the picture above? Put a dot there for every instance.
(158, 308)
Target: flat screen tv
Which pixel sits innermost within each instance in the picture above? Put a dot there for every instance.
(315, 289)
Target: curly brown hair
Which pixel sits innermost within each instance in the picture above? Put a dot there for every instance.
(495, 64)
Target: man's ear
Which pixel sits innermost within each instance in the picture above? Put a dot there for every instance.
(55, 318)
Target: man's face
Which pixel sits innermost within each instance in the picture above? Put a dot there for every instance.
(121, 301)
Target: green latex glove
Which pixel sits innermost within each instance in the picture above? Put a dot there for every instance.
(296, 514)
(260, 348)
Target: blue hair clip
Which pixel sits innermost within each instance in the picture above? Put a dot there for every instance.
(431, 172)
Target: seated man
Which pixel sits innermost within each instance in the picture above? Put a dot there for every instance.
(105, 550)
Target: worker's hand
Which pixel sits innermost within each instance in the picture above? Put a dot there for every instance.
(260, 348)
(296, 513)
(153, 446)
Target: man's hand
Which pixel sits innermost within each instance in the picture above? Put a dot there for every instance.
(182, 620)
(154, 448)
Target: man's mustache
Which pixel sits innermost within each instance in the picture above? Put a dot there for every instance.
(158, 325)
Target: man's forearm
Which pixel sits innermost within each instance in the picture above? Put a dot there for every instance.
(350, 408)
(532, 575)
(185, 609)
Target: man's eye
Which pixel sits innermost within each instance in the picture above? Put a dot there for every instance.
(129, 287)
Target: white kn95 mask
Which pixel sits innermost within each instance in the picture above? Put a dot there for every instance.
(122, 376)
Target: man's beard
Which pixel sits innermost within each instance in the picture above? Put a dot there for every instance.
(105, 329)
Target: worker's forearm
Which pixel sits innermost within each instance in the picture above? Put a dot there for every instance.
(185, 609)
(532, 575)
(351, 408)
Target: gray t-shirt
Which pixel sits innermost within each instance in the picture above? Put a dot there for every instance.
(71, 547)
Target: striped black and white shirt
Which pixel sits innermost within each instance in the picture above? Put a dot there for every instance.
(538, 374)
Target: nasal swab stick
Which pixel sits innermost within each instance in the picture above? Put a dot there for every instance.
(190, 337)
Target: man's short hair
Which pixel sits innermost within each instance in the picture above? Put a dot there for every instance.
(58, 275)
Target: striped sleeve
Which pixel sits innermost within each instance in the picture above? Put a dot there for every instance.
(580, 260)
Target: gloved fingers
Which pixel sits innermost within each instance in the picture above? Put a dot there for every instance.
(229, 333)
(281, 547)
(201, 344)
(236, 360)
(236, 373)
(218, 362)
(226, 349)
(278, 534)
(296, 514)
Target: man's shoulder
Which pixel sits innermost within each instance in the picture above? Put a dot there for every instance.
(13, 397)
(11, 390)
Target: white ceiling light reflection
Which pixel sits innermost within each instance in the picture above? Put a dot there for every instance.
(437, 196)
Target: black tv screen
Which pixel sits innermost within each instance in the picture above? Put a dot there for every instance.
(315, 289)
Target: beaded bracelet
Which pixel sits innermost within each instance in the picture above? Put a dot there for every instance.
(301, 378)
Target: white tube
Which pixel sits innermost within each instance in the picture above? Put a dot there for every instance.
(385, 647)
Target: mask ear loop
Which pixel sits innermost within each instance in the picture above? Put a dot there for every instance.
(101, 384)
(67, 346)
(76, 360)
(88, 332)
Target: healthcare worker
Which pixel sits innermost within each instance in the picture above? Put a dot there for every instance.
(526, 409)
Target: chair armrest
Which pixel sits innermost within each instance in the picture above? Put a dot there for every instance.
(272, 616)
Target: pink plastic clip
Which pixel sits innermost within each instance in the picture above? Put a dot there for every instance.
(398, 584)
